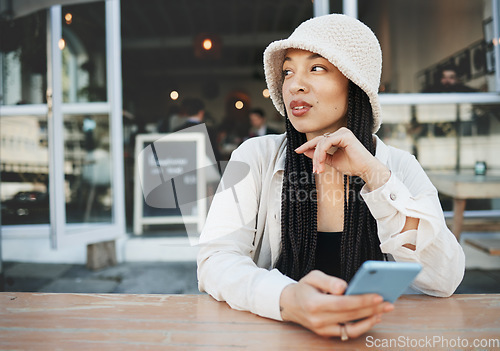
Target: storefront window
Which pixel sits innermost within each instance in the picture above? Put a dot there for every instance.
(430, 132)
(448, 138)
(84, 53)
(24, 170)
(66, 47)
(422, 38)
(87, 169)
(23, 60)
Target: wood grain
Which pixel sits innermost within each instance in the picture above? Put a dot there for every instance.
(36, 321)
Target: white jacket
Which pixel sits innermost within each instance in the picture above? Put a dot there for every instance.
(241, 240)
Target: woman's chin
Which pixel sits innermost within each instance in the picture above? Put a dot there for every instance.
(303, 128)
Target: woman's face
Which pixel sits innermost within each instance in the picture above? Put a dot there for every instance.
(314, 92)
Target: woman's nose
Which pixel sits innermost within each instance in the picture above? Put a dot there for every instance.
(298, 83)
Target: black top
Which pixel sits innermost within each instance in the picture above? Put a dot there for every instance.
(328, 253)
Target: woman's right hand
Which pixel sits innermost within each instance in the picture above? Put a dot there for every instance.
(316, 302)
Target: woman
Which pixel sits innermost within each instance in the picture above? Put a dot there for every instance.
(324, 197)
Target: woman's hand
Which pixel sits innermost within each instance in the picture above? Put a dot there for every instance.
(347, 155)
(316, 302)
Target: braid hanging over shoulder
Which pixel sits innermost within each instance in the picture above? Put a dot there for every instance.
(299, 203)
(360, 240)
(298, 210)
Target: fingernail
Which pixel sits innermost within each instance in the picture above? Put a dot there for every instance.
(389, 308)
(338, 288)
(378, 299)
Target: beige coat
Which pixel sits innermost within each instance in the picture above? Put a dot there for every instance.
(241, 240)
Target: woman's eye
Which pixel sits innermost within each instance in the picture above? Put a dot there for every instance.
(286, 72)
(317, 68)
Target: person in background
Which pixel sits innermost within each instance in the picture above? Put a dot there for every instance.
(170, 121)
(449, 82)
(327, 195)
(193, 111)
(258, 123)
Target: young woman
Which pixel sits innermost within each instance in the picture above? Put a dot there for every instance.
(325, 196)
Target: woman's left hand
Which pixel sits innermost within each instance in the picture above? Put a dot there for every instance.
(350, 157)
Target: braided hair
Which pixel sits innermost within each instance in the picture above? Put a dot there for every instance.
(299, 208)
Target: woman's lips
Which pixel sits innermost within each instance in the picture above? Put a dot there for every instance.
(299, 108)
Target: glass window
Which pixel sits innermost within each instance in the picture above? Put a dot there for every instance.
(84, 53)
(24, 170)
(446, 138)
(87, 169)
(433, 46)
(23, 60)
(430, 132)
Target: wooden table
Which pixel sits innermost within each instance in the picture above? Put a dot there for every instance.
(463, 186)
(32, 321)
(491, 246)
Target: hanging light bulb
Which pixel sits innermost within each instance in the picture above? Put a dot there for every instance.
(174, 95)
(68, 18)
(207, 44)
(239, 104)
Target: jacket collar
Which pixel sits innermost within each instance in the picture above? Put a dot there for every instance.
(280, 163)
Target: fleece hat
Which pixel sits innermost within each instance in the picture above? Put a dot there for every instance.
(344, 41)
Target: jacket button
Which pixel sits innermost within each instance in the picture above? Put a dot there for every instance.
(393, 196)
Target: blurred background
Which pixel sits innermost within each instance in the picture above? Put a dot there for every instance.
(82, 81)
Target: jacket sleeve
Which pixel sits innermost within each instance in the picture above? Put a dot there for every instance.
(226, 269)
(410, 193)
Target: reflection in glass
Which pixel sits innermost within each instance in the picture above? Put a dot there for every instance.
(420, 38)
(447, 138)
(24, 170)
(23, 60)
(87, 169)
(84, 53)
(430, 132)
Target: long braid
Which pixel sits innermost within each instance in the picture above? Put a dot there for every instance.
(299, 203)
(298, 211)
(360, 240)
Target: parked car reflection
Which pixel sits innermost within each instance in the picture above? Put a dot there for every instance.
(26, 207)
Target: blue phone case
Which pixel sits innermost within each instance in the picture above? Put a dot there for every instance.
(388, 279)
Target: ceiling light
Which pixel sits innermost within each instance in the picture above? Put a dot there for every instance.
(174, 95)
(207, 44)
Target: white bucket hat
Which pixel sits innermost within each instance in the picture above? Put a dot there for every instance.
(344, 41)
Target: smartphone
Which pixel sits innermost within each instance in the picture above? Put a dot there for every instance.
(388, 279)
